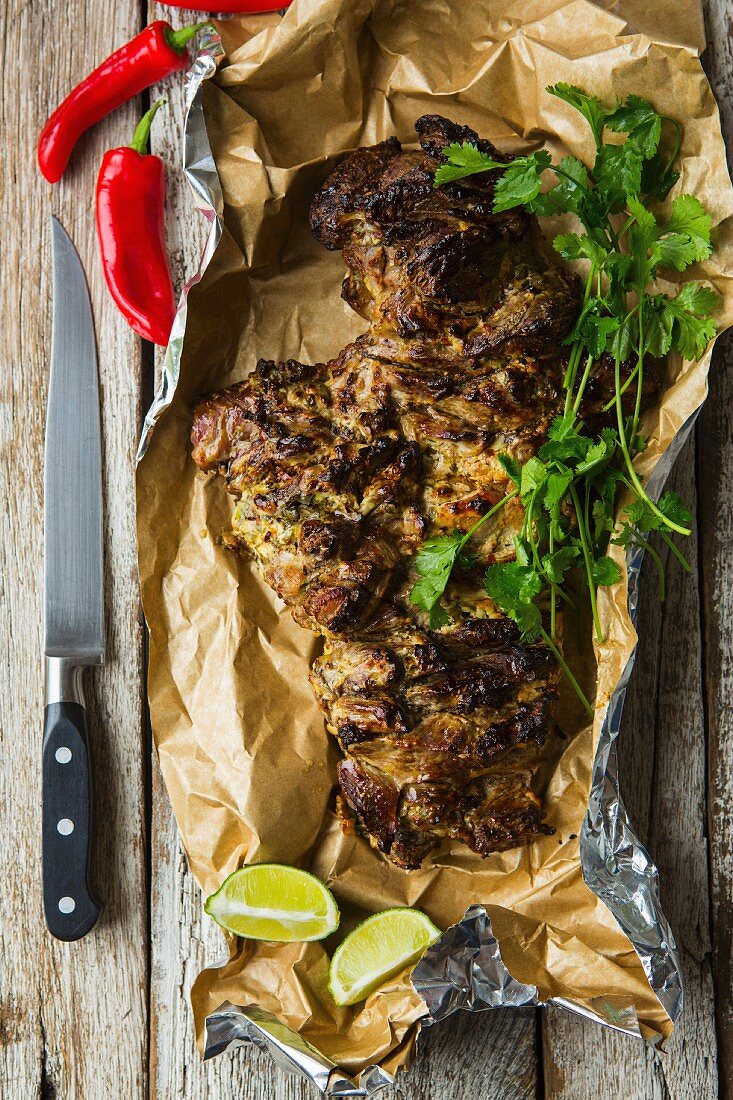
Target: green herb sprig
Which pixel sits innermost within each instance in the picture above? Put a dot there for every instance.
(569, 489)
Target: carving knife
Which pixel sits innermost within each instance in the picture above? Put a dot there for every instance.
(74, 608)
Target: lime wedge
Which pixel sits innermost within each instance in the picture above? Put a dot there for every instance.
(270, 901)
(376, 950)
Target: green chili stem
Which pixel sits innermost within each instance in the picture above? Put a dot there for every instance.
(178, 40)
(141, 137)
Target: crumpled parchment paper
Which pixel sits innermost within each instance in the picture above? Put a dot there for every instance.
(242, 747)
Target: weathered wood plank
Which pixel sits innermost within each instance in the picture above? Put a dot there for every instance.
(715, 476)
(492, 1056)
(74, 1017)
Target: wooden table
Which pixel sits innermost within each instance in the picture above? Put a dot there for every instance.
(109, 1016)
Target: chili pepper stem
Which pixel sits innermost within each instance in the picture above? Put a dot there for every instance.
(178, 40)
(141, 137)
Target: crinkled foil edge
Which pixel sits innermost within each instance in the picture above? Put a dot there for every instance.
(463, 969)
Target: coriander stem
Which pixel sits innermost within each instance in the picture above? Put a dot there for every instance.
(588, 561)
(566, 175)
(629, 464)
(500, 504)
(570, 372)
(640, 374)
(566, 669)
(677, 140)
(552, 592)
(577, 348)
(677, 553)
(645, 545)
(624, 387)
(583, 383)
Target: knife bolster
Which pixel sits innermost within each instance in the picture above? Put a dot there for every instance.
(64, 680)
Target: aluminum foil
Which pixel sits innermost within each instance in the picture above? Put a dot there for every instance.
(464, 968)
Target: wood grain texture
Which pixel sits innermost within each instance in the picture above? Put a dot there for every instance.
(715, 476)
(74, 1019)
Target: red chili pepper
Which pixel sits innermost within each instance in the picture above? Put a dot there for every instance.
(154, 54)
(131, 232)
(238, 7)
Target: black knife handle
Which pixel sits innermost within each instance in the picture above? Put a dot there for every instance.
(71, 906)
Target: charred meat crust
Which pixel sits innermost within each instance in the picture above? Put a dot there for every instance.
(341, 470)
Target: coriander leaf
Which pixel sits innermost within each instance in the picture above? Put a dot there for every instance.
(617, 173)
(624, 535)
(437, 617)
(521, 549)
(563, 427)
(640, 121)
(602, 518)
(521, 182)
(434, 564)
(657, 326)
(534, 474)
(589, 106)
(464, 160)
(625, 337)
(618, 268)
(513, 588)
(690, 217)
(674, 250)
(427, 598)
(573, 246)
(697, 298)
(509, 583)
(673, 507)
(557, 564)
(640, 515)
(598, 332)
(642, 234)
(511, 468)
(554, 494)
(556, 488)
(564, 443)
(605, 571)
(568, 195)
(599, 452)
(692, 326)
(658, 177)
(686, 236)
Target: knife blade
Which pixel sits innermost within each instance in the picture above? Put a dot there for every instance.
(74, 589)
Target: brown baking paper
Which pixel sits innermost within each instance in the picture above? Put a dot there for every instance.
(241, 742)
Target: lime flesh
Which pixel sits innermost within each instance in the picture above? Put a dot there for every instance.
(376, 950)
(270, 901)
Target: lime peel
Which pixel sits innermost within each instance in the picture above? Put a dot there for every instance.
(378, 949)
(271, 901)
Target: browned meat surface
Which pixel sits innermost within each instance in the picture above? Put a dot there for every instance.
(342, 470)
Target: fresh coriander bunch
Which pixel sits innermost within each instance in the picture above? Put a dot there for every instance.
(569, 490)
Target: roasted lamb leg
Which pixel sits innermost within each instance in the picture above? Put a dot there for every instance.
(342, 470)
